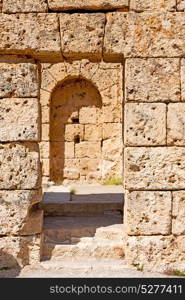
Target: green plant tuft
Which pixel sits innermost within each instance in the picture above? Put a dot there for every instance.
(72, 191)
(113, 181)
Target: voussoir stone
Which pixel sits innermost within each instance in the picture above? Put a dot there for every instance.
(86, 4)
(17, 6)
(142, 5)
(20, 166)
(152, 80)
(148, 212)
(178, 213)
(154, 168)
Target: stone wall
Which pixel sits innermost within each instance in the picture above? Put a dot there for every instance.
(45, 43)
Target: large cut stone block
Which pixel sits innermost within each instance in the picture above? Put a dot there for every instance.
(17, 6)
(16, 252)
(112, 130)
(158, 168)
(82, 35)
(20, 166)
(152, 80)
(156, 253)
(86, 4)
(19, 119)
(72, 131)
(176, 124)
(16, 77)
(178, 213)
(93, 132)
(88, 150)
(148, 213)
(31, 34)
(125, 34)
(143, 5)
(145, 124)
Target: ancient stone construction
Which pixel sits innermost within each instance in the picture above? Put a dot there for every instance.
(93, 90)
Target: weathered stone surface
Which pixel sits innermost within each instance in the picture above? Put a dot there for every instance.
(180, 5)
(82, 35)
(93, 132)
(71, 169)
(178, 213)
(1, 4)
(89, 115)
(88, 149)
(152, 80)
(19, 251)
(72, 131)
(45, 167)
(158, 168)
(148, 213)
(15, 209)
(20, 166)
(16, 77)
(86, 4)
(19, 119)
(17, 6)
(34, 224)
(125, 34)
(112, 130)
(45, 132)
(182, 75)
(142, 5)
(31, 34)
(88, 166)
(176, 124)
(44, 149)
(145, 124)
(156, 253)
(69, 150)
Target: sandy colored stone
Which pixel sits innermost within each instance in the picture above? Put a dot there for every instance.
(57, 149)
(45, 132)
(112, 114)
(180, 5)
(125, 35)
(89, 165)
(143, 5)
(16, 77)
(45, 114)
(44, 149)
(30, 34)
(74, 130)
(1, 5)
(176, 124)
(112, 149)
(145, 124)
(157, 168)
(152, 80)
(156, 253)
(93, 132)
(20, 166)
(88, 150)
(89, 115)
(17, 6)
(19, 251)
(86, 4)
(82, 35)
(178, 213)
(112, 130)
(148, 213)
(45, 166)
(19, 119)
(69, 150)
(182, 76)
(71, 169)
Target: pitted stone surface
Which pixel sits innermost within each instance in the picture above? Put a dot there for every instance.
(17, 6)
(157, 168)
(181, 5)
(143, 5)
(152, 80)
(176, 124)
(178, 213)
(86, 4)
(145, 124)
(148, 213)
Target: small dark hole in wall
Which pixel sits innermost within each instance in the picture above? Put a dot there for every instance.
(75, 120)
(77, 139)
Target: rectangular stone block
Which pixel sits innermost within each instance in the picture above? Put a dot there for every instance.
(112, 130)
(125, 35)
(16, 76)
(145, 124)
(178, 213)
(180, 5)
(157, 168)
(182, 74)
(45, 133)
(143, 5)
(20, 166)
(89, 165)
(112, 149)
(176, 124)
(69, 150)
(44, 149)
(86, 4)
(45, 167)
(88, 150)
(82, 35)
(17, 6)
(45, 114)
(71, 169)
(14, 212)
(111, 114)
(74, 130)
(156, 253)
(19, 119)
(152, 80)
(16, 252)
(93, 132)
(34, 224)
(148, 213)
(89, 115)
(30, 34)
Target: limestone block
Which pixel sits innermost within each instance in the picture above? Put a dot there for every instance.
(19, 251)
(20, 166)
(176, 124)
(181, 5)
(156, 253)
(45, 114)
(145, 124)
(45, 132)
(178, 213)
(93, 132)
(112, 130)
(152, 80)
(86, 4)
(14, 211)
(112, 114)
(112, 169)
(44, 97)
(89, 166)
(148, 213)
(89, 115)
(71, 169)
(17, 6)
(45, 167)
(44, 149)
(69, 150)
(125, 34)
(19, 119)
(88, 149)
(34, 224)
(16, 77)
(1, 4)
(82, 35)
(74, 130)
(30, 34)
(157, 168)
(182, 73)
(112, 149)
(143, 5)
